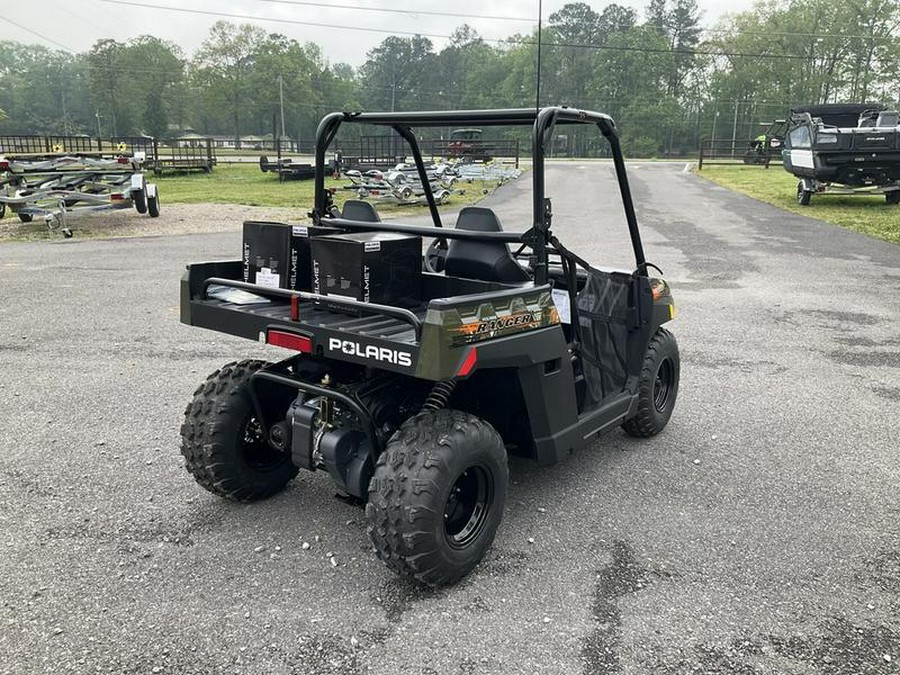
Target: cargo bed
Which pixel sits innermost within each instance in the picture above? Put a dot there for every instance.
(386, 335)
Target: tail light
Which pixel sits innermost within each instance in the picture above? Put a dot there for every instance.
(281, 338)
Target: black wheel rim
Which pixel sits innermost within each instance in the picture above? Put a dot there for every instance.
(467, 507)
(663, 385)
(258, 454)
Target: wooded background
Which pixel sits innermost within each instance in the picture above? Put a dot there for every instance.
(666, 80)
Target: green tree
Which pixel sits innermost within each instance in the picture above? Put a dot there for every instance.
(223, 68)
(679, 22)
(281, 64)
(154, 71)
(43, 90)
(107, 84)
(399, 74)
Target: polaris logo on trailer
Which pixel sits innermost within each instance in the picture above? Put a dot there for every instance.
(374, 352)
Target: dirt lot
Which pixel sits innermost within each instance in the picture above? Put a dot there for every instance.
(173, 219)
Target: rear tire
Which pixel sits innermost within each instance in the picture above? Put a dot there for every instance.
(436, 498)
(657, 386)
(153, 205)
(803, 195)
(222, 441)
(140, 201)
(892, 197)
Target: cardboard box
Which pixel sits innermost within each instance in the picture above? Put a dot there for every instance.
(384, 268)
(278, 254)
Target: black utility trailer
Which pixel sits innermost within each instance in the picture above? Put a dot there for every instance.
(412, 406)
(844, 149)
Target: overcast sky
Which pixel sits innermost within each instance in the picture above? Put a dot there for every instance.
(345, 30)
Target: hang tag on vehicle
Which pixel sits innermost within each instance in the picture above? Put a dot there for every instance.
(265, 277)
(563, 307)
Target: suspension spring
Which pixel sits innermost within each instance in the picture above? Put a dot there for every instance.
(439, 395)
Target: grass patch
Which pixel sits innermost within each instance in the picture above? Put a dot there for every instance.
(871, 215)
(245, 184)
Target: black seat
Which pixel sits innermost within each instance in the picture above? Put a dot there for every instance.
(484, 260)
(356, 209)
(888, 118)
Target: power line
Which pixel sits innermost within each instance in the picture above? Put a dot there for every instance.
(814, 35)
(250, 17)
(34, 32)
(409, 12)
(527, 42)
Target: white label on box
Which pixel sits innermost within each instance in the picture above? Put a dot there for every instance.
(561, 300)
(300, 231)
(373, 246)
(265, 277)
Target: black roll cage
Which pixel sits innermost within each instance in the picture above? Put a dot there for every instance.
(542, 122)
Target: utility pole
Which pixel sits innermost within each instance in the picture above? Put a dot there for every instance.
(97, 115)
(281, 99)
(537, 95)
(62, 93)
(734, 127)
(393, 85)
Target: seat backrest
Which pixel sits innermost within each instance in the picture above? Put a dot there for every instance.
(484, 260)
(888, 118)
(356, 209)
(868, 118)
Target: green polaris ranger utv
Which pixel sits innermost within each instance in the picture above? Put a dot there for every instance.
(410, 377)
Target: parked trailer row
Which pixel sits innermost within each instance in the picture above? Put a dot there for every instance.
(58, 188)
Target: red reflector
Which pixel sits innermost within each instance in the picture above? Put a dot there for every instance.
(299, 343)
(295, 308)
(116, 197)
(468, 364)
(4, 166)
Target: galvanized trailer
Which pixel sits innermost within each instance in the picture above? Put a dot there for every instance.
(57, 187)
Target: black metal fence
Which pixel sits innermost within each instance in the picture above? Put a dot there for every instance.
(730, 151)
(160, 156)
(382, 151)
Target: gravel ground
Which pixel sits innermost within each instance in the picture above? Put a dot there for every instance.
(759, 534)
(173, 219)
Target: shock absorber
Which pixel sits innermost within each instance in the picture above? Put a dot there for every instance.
(439, 395)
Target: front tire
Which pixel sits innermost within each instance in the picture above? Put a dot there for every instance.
(803, 195)
(892, 197)
(222, 440)
(657, 387)
(436, 498)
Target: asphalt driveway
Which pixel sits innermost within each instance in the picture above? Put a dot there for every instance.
(760, 533)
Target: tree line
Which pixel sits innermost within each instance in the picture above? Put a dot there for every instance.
(665, 79)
